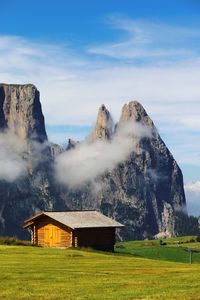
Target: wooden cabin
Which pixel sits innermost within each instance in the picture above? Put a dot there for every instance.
(73, 229)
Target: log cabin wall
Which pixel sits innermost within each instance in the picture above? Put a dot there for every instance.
(50, 233)
(97, 238)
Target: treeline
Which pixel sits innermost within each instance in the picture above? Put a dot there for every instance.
(186, 225)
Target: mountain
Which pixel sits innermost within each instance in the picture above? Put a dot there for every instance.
(104, 125)
(144, 190)
(22, 121)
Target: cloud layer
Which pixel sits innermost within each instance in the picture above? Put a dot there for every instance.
(143, 40)
(142, 64)
(87, 161)
(12, 165)
(192, 190)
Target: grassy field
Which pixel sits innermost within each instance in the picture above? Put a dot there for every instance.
(38, 273)
(169, 252)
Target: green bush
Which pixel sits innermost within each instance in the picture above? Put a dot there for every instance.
(198, 238)
(192, 241)
(14, 241)
(120, 246)
(186, 225)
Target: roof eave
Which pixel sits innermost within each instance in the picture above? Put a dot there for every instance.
(89, 227)
(34, 217)
(27, 225)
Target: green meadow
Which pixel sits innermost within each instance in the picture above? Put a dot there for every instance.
(173, 250)
(40, 273)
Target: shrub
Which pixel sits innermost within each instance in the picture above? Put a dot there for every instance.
(192, 241)
(120, 246)
(14, 241)
(186, 225)
(162, 243)
(198, 238)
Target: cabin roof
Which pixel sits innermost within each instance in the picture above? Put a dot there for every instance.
(77, 219)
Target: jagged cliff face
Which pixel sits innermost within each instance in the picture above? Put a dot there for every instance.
(21, 119)
(146, 190)
(104, 125)
(20, 112)
(143, 190)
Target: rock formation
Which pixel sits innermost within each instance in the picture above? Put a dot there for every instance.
(20, 112)
(143, 192)
(21, 117)
(55, 150)
(71, 144)
(104, 125)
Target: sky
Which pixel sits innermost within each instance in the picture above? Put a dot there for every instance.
(81, 54)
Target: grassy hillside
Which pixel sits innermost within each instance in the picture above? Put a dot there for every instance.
(38, 273)
(173, 250)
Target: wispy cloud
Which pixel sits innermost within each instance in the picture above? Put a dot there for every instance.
(89, 160)
(73, 85)
(192, 190)
(12, 165)
(144, 40)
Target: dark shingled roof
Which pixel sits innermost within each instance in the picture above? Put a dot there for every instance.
(78, 219)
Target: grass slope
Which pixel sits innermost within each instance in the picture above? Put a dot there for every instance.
(43, 274)
(170, 252)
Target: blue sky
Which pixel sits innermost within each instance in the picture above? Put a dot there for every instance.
(81, 54)
(81, 21)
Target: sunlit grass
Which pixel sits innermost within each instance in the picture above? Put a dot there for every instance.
(171, 251)
(38, 273)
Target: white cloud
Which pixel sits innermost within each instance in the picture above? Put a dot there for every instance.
(73, 85)
(68, 82)
(12, 165)
(192, 190)
(143, 39)
(87, 161)
(193, 187)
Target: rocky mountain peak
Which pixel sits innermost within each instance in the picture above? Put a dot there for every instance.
(71, 144)
(21, 113)
(104, 125)
(136, 112)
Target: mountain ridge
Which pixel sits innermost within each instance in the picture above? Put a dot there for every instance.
(143, 191)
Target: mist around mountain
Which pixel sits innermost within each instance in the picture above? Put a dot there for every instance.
(124, 170)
